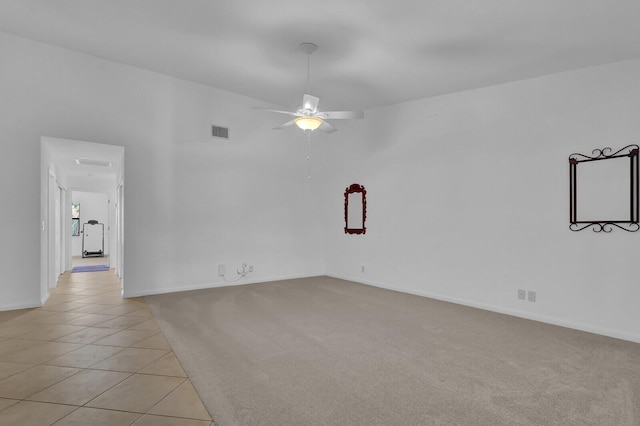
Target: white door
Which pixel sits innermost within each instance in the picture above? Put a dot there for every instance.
(120, 229)
(57, 223)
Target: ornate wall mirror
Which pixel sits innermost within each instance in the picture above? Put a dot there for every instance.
(605, 193)
(355, 209)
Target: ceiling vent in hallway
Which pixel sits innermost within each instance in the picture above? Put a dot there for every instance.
(90, 162)
(220, 132)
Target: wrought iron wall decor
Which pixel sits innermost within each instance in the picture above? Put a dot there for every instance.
(577, 223)
(355, 209)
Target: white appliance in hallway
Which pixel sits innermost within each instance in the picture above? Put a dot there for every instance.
(93, 239)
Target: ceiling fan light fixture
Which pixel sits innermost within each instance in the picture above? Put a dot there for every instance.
(308, 123)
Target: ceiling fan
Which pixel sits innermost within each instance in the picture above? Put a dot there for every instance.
(308, 116)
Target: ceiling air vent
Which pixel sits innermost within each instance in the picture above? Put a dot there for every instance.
(220, 132)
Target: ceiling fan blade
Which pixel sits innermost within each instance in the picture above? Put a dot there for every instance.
(310, 103)
(327, 128)
(342, 115)
(295, 113)
(287, 124)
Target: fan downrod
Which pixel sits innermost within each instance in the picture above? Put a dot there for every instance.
(308, 48)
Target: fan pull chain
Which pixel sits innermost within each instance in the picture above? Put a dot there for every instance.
(309, 154)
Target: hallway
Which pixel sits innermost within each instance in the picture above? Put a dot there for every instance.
(88, 356)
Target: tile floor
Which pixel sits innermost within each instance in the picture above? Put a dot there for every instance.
(89, 357)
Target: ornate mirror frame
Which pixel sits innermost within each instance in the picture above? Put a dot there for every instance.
(632, 224)
(349, 227)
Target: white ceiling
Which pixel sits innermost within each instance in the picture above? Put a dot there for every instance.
(63, 153)
(371, 52)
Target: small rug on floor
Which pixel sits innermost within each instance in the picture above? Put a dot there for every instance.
(90, 268)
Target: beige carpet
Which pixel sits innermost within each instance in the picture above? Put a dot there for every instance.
(322, 351)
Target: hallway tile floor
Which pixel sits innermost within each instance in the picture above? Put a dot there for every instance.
(89, 357)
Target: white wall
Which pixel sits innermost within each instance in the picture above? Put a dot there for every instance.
(467, 193)
(468, 199)
(191, 202)
(93, 206)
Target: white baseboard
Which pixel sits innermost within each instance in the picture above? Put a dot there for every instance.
(27, 305)
(632, 337)
(203, 286)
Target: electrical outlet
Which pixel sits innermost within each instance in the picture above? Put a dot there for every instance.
(362, 268)
(531, 296)
(521, 294)
(220, 270)
(250, 268)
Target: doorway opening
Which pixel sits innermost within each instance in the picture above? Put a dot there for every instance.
(83, 182)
